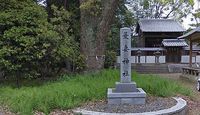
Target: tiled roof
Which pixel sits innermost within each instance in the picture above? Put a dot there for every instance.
(190, 32)
(160, 25)
(174, 43)
(148, 49)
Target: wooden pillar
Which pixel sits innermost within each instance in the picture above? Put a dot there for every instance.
(190, 52)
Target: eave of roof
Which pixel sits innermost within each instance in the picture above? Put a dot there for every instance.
(174, 43)
(159, 25)
(190, 33)
(148, 49)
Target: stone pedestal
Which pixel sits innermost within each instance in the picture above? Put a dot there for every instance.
(126, 91)
(125, 87)
(137, 97)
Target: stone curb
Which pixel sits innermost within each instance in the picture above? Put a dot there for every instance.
(178, 109)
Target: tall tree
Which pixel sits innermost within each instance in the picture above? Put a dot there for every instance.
(123, 18)
(29, 45)
(71, 6)
(161, 8)
(96, 18)
(196, 18)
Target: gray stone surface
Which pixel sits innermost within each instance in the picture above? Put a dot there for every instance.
(179, 109)
(176, 68)
(137, 97)
(125, 87)
(125, 54)
(126, 91)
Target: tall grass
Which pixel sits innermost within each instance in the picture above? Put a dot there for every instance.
(71, 91)
(162, 87)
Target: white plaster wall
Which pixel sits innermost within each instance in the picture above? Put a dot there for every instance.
(149, 59)
(142, 59)
(198, 59)
(185, 59)
(162, 59)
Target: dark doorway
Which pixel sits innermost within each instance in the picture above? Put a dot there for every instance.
(173, 55)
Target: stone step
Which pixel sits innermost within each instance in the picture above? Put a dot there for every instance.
(151, 68)
(156, 68)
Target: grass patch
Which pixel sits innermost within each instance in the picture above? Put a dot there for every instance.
(71, 91)
(161, 87)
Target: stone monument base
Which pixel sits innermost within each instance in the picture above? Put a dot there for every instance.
(125, 87)
(137, 97)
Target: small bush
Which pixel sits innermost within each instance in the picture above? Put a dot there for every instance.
(110, 59)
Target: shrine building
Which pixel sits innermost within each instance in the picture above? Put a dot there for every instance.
(161, 35)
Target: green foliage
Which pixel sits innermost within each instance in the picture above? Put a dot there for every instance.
(29, 45)
(146, 4)
(191, 2)
(73, 14)
(79, 63)
(71, 91)
(93, 6)
(110, 59)
(157, 9)
(26, 37)
(113, 40)
(196, 18)
(124, 18)
(68, 46)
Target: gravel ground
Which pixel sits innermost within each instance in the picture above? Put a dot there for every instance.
(152, 104)
(5, 111)
(56, 112)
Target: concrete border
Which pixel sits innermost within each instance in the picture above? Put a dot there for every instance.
(179, 109)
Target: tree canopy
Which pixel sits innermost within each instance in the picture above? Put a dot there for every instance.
(161, 8)
(41, 40)
(30, 46)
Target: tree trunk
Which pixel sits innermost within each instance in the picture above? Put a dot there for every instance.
(17, 79)
(65, 4)
(94, 30)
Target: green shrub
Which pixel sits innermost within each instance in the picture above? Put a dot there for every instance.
(29, 45)
(110, 59)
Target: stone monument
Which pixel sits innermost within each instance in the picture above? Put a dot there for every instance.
(125, 91)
